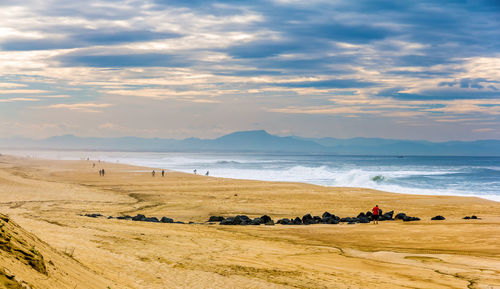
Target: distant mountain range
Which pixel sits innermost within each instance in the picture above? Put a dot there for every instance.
(261, 141)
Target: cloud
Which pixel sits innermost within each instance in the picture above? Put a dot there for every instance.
(17, 99)
(23, 91)
(440, 94)
(278, 60)
(126, 60)
(11, 85)
(329, 83)
(85, 107)
(84, 38)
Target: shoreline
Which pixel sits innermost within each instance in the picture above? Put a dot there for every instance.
(399, 190)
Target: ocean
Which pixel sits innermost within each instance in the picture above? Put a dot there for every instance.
(429, 175)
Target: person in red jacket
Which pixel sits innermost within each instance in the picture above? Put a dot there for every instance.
(375, 215)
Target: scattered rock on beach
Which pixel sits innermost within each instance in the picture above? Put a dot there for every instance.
(284, 221)
(400, 216)
(471, 217)
(228, 221)
(438, 218)
(152, 219)
(166, 220)
(297, 221)
(93, 215)
(307, 219)
(410, 219)
(215, 219)
(139, 217)
(266, 219)
(256, 222)
(387, 216)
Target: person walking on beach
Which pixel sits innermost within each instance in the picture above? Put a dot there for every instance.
(162, 173)
(153, 173)
(206, 174)
(100, 173)
(375, 215)
(194, 171)
(103, 172)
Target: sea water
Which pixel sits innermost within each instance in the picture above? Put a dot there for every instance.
(430, 175)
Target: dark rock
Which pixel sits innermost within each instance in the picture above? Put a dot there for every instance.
(242, 220)
(269, 223)
(139, 217)
(368, 214)
(410, 219)
(297, 221)
(126, 217)
(326, 215)
(329, 220)
(178, 222)
(166, 220)
(266, 219)
(216, 219)
(363, 220)
(361, 215)
(110, 217)
(471, 217)
(317, 219)
(228, 221)
(307, 219)
(257, 221)
(151, 219)
(284, 221)
(438, 217)
(351, 223)
(387, 216)
(93, 215)
(346, 220)
(400, 216)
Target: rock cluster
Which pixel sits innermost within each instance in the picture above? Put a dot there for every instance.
(93, 215)
(138, 217)
(438, 218)
(471, 217)
(326, 218)
(243, 220)
(405, 218)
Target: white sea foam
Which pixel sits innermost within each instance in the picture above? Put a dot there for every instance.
(342, 172)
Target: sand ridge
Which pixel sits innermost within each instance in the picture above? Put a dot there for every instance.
(48, 198)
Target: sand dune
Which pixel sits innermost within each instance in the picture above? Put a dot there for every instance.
(47, 198)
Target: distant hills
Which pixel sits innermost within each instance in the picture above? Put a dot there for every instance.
(261, 141)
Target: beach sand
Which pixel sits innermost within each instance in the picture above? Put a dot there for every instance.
(47, 198)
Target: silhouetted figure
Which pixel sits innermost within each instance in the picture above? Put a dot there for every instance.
(162, 173)
(93, 165)
(153, 173)
(194, 171)
(376, 212)
(206, 174)
(103, 172)
(100, 173)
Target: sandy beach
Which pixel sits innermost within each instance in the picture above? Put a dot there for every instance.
(48, 198)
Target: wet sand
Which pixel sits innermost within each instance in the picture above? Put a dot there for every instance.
(47, 199)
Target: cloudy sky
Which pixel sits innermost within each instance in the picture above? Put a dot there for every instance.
(174, 69)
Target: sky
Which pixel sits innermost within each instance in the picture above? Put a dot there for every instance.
(422, 69)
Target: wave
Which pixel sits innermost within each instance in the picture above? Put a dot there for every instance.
(428, 176)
